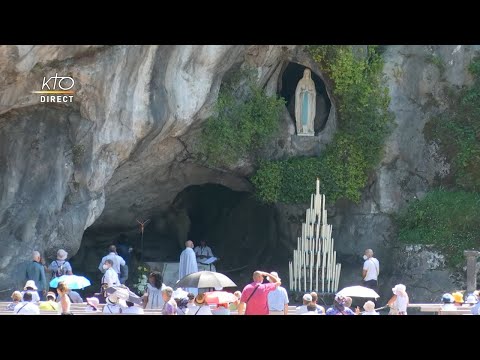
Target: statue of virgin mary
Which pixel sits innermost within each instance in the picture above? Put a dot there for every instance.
(305, 96)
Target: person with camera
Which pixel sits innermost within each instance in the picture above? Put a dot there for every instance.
(254, 299)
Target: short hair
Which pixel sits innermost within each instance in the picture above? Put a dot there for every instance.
(110, 261)
(27, 296)
(238, 294)
(311, 307)
(17, 296)
(314, 296)
(369, 251)
(168, 290)
(191, 296)
(112, 248)
(36, 254)
(257, 274)
(348, 301)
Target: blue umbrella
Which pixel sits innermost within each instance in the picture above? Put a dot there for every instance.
(72, 281)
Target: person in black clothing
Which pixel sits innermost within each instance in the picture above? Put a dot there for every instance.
(123, 249)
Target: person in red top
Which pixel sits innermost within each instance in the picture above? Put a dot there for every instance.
(255, 295)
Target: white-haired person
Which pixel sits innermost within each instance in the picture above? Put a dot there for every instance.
(369, 307)
(36, 272)
(170, 305)
(399, 301)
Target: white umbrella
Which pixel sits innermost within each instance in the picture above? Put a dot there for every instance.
(358, 291)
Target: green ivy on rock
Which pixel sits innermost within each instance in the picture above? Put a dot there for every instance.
(245, 119)
(447, 219)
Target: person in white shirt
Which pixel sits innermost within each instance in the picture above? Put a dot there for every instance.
(26, 307)
(302, 309)
(201, 307)
(110, 277)
(399, 300)
(311, 310)
(371, 270)
(202, 253)
(191, 300)
(152, 298)
(117, 260)
(116, 302)
(30, 287)
(320, 309)
(277, 299)
(448, 302)
(133, 309)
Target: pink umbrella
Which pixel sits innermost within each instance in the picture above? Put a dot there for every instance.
(219, 297)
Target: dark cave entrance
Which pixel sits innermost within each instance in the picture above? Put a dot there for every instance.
(241, 231)
(292, 73)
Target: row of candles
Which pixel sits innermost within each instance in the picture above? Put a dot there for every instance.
(314, 261)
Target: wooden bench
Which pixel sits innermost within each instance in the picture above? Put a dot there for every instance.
(459, 311)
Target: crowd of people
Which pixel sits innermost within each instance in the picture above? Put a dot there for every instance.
(265, 295)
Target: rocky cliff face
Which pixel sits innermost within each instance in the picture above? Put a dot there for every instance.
(122, 149)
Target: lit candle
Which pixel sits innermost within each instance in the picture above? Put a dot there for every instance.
(318, 186)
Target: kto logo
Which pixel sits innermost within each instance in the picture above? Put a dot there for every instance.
(56, 89)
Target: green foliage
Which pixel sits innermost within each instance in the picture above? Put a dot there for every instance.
(293, 180)
(457, 131)
(447, 219)
(363, 122)
(242, 124)
(140, 274)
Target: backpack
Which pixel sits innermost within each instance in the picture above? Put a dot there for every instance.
(61, 270)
